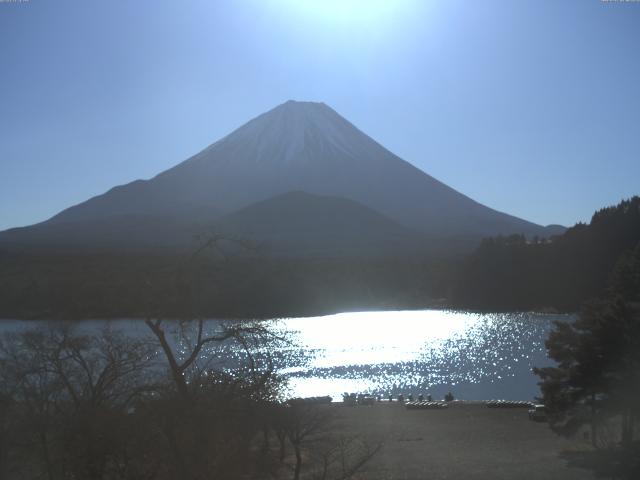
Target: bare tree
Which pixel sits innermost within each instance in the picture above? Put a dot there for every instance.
(304, 421)
(192, 347)
(309, 429)
(345, 458)
(70, 392)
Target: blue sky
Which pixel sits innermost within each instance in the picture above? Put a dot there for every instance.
(530, 107)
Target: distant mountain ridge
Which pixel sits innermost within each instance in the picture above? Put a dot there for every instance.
(298, 223)
(294, 223)
(296, 147)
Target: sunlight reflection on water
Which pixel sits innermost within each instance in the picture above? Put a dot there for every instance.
(476, 356)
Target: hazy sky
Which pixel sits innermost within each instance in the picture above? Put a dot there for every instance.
(530, 107)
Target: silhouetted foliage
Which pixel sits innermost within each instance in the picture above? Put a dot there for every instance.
(596, 381)
(513, 273)
(109, 406)
(115, 286)
(69, 397)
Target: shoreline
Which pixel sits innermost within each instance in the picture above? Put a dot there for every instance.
(452, 309)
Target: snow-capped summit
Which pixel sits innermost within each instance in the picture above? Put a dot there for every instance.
(285, 133)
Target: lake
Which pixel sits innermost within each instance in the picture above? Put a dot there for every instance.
(475, 356)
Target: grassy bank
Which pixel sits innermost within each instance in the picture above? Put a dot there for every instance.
(464, 441)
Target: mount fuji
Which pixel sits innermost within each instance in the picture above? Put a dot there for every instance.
(340, 179)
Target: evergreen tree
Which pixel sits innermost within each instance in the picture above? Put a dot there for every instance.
(596, 381)
(511, 273)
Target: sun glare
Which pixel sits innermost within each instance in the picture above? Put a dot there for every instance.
(347, 12)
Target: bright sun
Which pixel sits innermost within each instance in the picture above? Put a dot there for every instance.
(346, 11)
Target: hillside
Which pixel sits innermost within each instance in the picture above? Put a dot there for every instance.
(298, 223)
(513, 273)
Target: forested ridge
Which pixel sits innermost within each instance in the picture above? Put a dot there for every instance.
(514, 273)
(67, 286)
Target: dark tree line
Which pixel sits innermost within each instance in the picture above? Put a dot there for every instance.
(502, 274)
(80, 286)
(106, 406)
(171, 404)
(515, 273)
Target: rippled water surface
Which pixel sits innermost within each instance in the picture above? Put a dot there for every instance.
(475, 356)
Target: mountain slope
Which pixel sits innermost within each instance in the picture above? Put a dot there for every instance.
(295, 147)
(122, 233)
(303, 146)
(298, 223)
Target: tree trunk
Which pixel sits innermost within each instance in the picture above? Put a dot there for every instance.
(594, 440)
(296, 473)
(177, 453)
(176, 371)
(45, 452)
(282, 438)
(627, 428)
